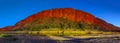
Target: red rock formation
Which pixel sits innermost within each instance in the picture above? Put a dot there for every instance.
(6, 28)
(69, 14)
(66, 13)
(106, 26)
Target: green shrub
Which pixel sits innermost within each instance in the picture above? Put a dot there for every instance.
(5, 35)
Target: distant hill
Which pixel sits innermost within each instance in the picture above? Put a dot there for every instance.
(62, 18)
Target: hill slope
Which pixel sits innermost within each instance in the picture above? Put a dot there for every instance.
(63, 18)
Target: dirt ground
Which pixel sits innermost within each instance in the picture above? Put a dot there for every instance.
(45, 39)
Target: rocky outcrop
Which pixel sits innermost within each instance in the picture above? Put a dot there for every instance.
(65, 13)
(69, 14)
(6, 28)
(106, 26)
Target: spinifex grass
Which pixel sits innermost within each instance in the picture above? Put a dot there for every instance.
(5, 35)
(8, 37)
(68, 32)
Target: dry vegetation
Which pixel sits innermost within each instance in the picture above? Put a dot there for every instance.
(69, 32)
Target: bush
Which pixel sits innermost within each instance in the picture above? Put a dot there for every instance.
(5, 35)
(8, 37)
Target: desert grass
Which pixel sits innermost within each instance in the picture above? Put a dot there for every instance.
(63, 32)
(5, 35)
(70, 32)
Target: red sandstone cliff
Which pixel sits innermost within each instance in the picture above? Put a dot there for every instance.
(69, 14)
(6, 28)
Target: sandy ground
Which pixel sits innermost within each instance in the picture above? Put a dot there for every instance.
(58, 39)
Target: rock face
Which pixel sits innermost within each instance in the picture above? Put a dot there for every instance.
(69, 14)
(6, 28)
(105, 25)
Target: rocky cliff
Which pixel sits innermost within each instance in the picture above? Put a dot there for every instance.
(70, 14)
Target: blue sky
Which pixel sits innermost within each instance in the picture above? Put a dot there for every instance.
(12, 11)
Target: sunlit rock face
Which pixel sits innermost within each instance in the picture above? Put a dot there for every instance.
(6, 28)
(106, 26)
(68, 14)
(65, 13)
